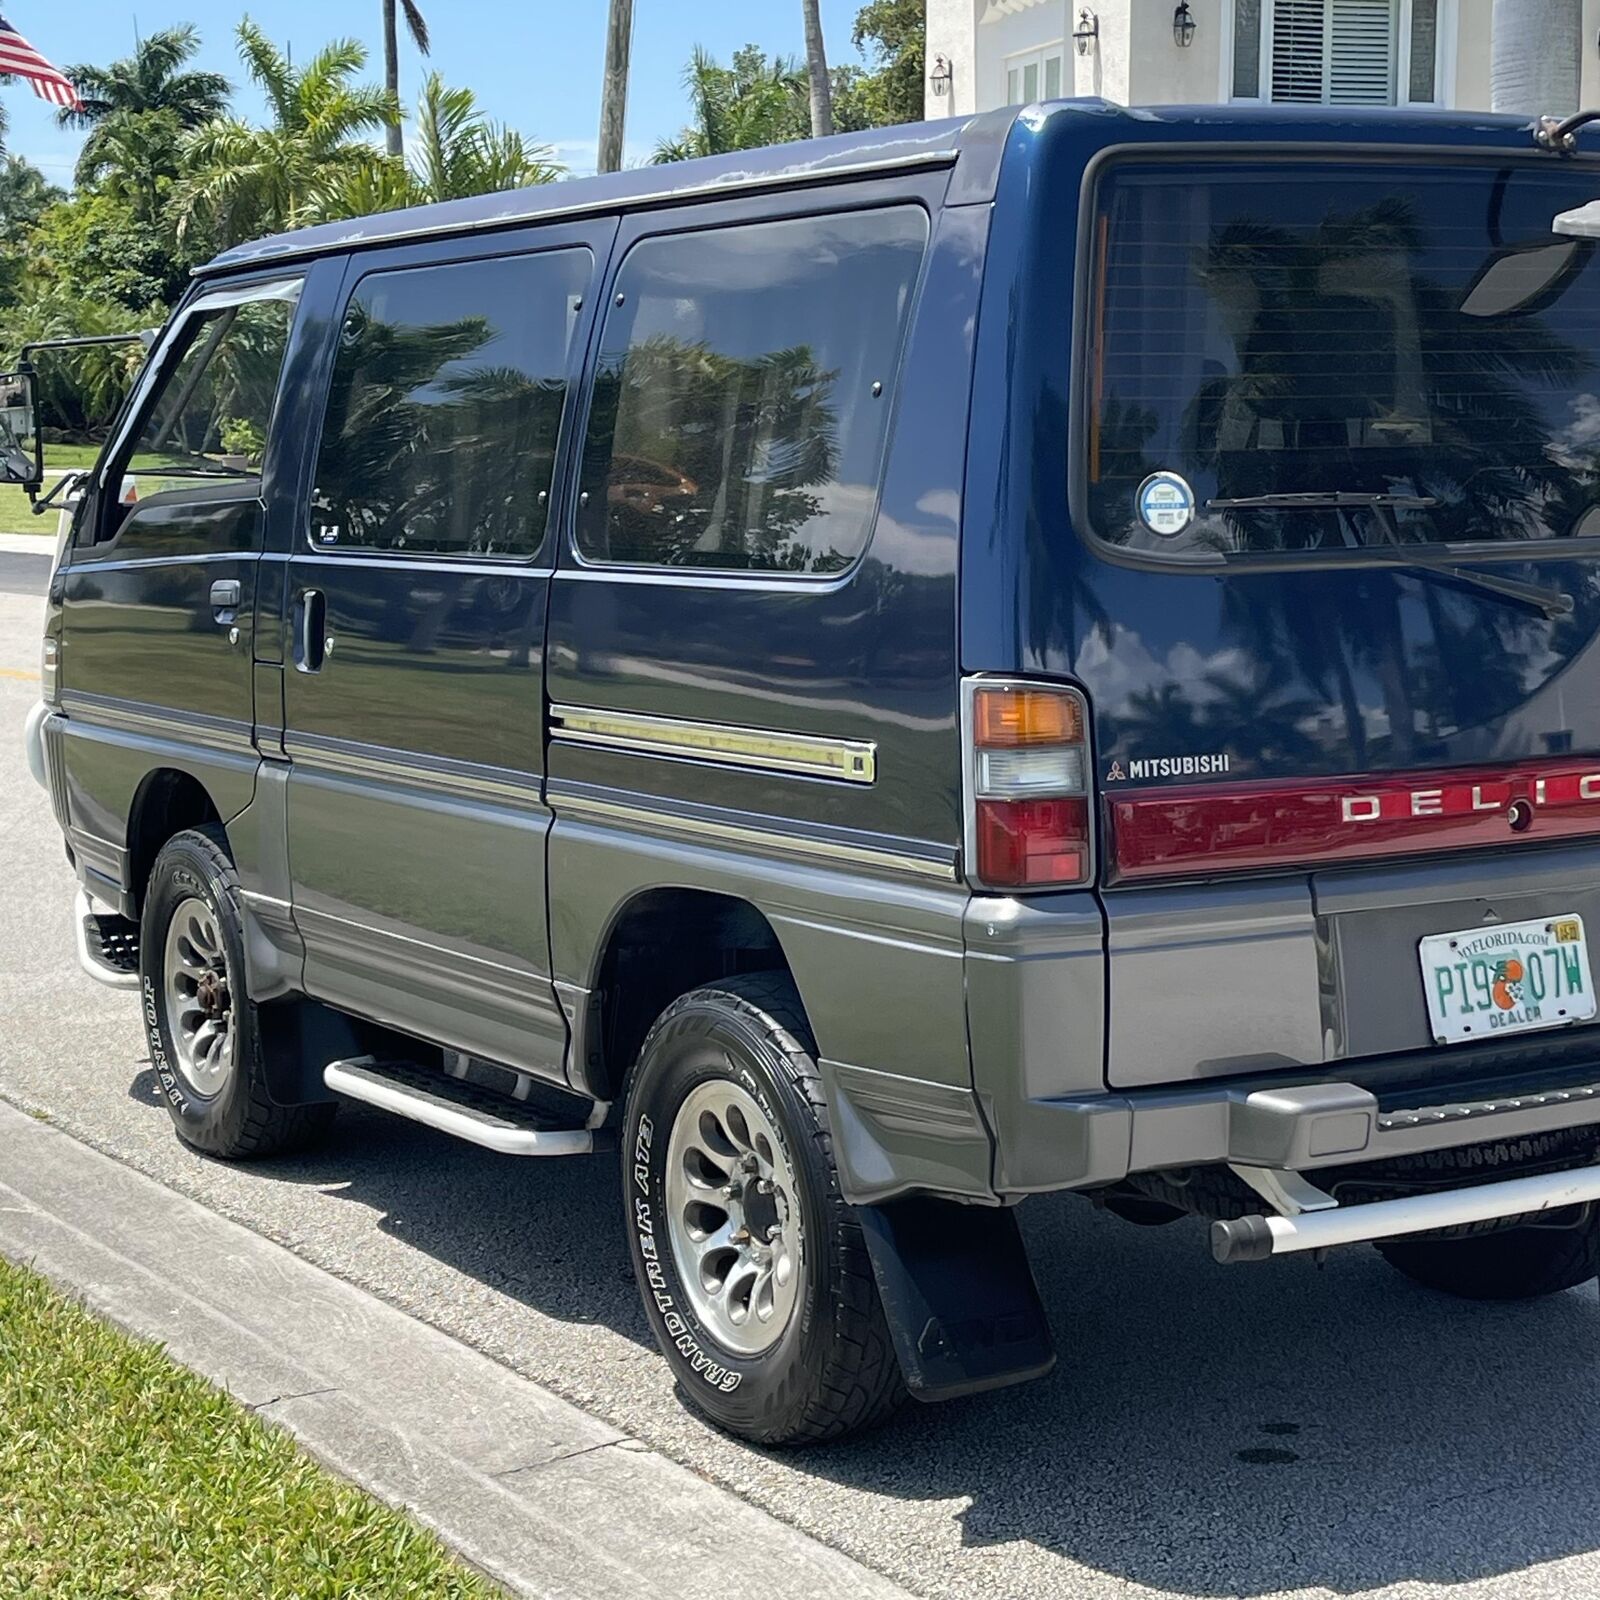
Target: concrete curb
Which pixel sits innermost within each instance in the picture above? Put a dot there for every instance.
(535, 1492)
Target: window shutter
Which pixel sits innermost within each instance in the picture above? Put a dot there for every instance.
(1361, 53)
(1333, 52)
(1299, 50)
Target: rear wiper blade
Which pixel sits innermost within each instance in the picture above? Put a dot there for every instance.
(1549, 603)
(1321, 500)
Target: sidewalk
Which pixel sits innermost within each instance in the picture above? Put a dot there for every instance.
(537, 1493)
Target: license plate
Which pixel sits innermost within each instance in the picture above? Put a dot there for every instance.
(1483, 983)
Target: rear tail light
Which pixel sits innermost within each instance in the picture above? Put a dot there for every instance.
(1027, 791)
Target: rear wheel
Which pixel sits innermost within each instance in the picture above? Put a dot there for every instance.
(754, 1273)
(204, 1034)
(1521, 1263)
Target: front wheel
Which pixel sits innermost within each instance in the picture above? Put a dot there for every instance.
(754, 1273)
(204, 1035)
(1521, 1263)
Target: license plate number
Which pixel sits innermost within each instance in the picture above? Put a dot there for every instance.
(1483, 983)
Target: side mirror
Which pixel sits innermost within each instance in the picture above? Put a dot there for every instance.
(19, 444)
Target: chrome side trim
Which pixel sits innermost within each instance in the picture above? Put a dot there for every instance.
(772, 750)
(461, 780)
(839, 852)
(184, 727)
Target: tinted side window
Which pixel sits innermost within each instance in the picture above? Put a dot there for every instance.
(210, 416)
(742, 393)
(445, 402)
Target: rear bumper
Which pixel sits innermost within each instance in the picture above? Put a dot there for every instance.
(33, 742)
(1301, 1127)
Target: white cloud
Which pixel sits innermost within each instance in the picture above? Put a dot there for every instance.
(580, 156)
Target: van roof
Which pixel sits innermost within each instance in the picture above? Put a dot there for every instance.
(915, 144)
(976, 141)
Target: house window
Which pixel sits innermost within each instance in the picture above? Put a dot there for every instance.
(1337, 52)
(1034, 75)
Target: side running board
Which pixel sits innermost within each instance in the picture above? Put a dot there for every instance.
(461, 1109)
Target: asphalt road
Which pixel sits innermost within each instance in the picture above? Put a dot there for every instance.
(24, 574)
(1251, 1431)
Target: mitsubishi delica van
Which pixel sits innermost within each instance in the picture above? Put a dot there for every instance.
(879, 678)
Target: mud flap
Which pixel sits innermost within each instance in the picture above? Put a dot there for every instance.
(959, 1296)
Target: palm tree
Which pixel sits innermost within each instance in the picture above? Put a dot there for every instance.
(753, 102)
(137, 111)
(24, 194)
(242, 181)
(149, 80)
(417, 27)
(456, 151)
(817, 71)
(130, 156)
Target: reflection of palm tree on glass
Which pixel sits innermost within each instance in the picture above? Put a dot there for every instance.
(1251, 716)
(1356, 373)
(753, 440)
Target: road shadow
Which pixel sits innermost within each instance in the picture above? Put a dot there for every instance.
(1208, 1431)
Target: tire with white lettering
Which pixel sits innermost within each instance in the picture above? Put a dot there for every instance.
(201, 1025)
(754, 1273)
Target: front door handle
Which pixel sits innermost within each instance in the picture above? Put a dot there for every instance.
(225, 593)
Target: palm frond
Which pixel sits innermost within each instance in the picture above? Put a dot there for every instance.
(416, 25)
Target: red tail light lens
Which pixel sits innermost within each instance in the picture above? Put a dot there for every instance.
(1033, 844)
(1029, 822)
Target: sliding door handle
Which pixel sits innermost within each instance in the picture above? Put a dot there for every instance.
(225, 594)
(310, 644)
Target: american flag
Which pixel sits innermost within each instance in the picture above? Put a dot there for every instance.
(19, 57)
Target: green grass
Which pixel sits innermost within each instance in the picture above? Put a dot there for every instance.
(122, 1474)
(71, 455)
(16, 516)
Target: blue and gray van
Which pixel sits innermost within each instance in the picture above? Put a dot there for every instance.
(877, 678)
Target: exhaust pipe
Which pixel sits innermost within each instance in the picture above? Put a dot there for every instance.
(1257, 1238)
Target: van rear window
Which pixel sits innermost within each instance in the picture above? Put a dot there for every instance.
(1299, 357)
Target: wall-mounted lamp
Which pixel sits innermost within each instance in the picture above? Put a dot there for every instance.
(940, 77)
(1087, 32)
(1183, 25)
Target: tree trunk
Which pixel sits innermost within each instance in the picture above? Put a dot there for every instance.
(1536, 47)
(614, 85)
(391, 75)
(817, 67)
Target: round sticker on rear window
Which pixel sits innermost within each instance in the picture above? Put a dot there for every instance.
(1166, 504)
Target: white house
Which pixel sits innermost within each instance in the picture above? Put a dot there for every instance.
(988, 53)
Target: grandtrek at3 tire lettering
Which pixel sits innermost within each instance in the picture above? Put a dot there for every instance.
(730, 1176)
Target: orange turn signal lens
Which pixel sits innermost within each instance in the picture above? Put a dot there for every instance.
(1005, 718)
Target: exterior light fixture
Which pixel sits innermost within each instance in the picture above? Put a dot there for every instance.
(1183, 25)
(1087, 32)
(941, 75)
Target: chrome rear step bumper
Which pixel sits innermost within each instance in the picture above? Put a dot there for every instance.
(1261, 1237)
(1305, 1126)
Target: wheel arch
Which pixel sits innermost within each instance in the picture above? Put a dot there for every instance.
(660, 943)
(167, 801)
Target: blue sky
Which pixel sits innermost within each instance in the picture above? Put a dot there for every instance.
(536, 66)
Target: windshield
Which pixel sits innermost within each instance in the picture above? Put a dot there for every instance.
(1273, 343)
